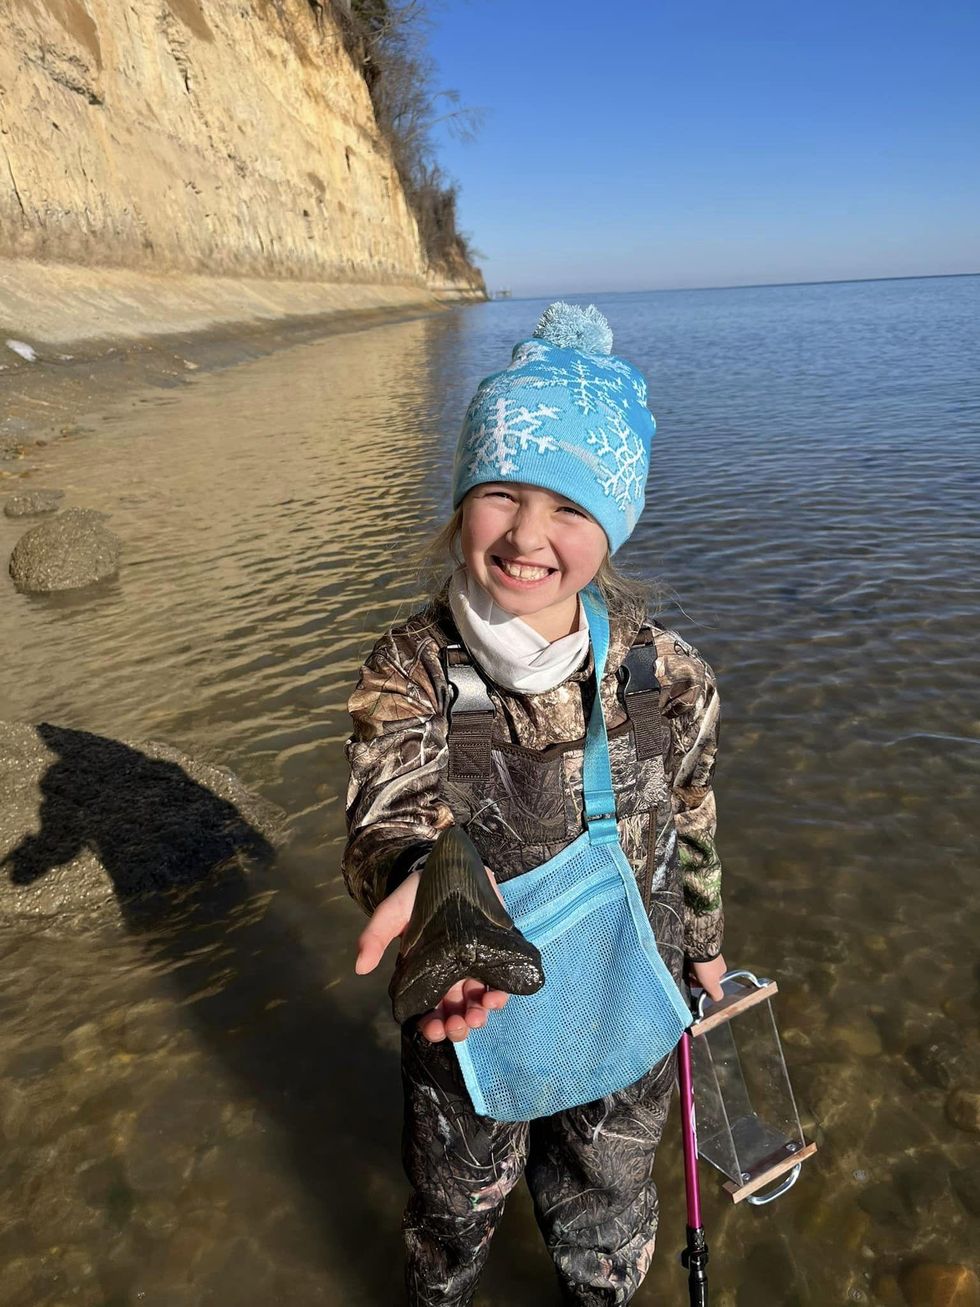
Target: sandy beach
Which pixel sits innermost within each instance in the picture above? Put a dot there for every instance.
(73, 340)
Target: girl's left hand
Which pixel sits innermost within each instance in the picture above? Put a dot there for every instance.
(708, 975)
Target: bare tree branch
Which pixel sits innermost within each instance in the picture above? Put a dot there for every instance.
(388, 38)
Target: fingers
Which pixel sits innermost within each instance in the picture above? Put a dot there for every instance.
(476, 1013)
(371, 947)
(463, 1009)
(432, 1028)
(454, 1008)
(714, 981)
(446, 1020)
(388, 922)
(370, 950)
(709, 975)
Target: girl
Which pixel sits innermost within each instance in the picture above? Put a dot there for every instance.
(475, 711)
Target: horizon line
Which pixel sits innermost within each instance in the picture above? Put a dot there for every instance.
(757, 285)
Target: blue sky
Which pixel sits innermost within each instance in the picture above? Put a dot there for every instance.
(666, 143)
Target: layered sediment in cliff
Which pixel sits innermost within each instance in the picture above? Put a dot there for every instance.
(204, 140)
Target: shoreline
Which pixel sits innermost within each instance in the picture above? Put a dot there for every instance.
(167, 330)
(60, 306)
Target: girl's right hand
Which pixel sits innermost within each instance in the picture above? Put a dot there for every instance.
(467, 1004)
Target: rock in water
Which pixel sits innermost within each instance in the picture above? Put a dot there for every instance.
(71, 551)
(934, 1060)
(33, 503)
(935, 1284)
(963, 1109)
(459, 928)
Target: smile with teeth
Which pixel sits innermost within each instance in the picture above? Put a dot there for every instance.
(522, 571)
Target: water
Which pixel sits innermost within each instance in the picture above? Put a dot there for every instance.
(207, 1111)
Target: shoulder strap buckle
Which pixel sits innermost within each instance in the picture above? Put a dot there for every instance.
(640, 691)
(636, 673)
(468, 690)
(470, 717)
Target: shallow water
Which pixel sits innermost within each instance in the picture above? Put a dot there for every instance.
(206, 1110)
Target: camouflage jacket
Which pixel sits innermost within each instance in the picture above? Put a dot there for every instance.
(397, 801)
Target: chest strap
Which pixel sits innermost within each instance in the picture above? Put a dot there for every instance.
(640, 692)
(470, 716)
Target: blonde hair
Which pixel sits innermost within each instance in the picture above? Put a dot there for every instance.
(442, 551)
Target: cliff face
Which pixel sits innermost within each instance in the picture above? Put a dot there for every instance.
(198, 136)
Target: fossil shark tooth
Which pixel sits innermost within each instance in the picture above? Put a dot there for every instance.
(459, 928)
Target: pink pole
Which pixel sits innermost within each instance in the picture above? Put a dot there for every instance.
(689, 1132)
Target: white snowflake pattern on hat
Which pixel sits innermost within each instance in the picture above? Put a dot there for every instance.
(495, 442)
(622, 461)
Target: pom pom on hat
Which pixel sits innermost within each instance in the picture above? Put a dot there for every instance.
(571, 327)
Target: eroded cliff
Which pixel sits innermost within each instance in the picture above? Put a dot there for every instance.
(199, 137)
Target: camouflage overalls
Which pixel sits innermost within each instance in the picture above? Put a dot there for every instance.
(509, 770)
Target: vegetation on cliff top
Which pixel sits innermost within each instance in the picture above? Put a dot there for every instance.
(386, 38)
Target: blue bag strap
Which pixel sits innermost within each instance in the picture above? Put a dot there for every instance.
(600, 799)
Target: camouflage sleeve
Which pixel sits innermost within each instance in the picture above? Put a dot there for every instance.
(396, 754)
(692, 707)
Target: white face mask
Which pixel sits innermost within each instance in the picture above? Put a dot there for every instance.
(513, 654)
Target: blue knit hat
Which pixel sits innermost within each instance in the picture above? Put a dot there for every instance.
(566, 415)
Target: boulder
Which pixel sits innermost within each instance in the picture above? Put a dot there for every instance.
(89, 823)
(857, 1037)
(33, 503)
(963, 1109)
(69, 552)
(936, 1284)
(935, 1060)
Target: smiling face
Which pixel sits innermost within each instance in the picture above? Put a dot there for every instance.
(532, 551)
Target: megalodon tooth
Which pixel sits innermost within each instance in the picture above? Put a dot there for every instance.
(459, 928)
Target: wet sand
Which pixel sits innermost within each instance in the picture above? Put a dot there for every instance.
(77, 369)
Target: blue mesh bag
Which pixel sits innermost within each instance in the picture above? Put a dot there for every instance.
(609, 1009)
